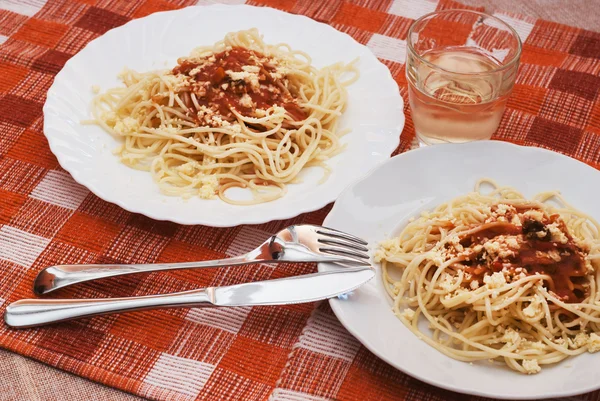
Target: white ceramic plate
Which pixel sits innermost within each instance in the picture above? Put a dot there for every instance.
(374, 113)
(379, 204)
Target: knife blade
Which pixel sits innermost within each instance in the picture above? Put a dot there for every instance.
(306, 288)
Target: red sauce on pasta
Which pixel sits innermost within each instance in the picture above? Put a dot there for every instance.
(254, 84)
(563, 261)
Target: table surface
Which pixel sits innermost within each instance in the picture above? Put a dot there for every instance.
(26, 379)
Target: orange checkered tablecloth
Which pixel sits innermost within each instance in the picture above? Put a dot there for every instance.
(298, 352)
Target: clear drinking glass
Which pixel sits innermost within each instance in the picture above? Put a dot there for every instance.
(461, 67)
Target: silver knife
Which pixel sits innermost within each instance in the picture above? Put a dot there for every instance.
(289, 290)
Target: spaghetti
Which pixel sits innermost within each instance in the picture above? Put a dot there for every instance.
(499, 277)
(238, 114)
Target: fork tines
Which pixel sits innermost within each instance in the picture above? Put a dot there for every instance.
(340, 243)
(332, 232)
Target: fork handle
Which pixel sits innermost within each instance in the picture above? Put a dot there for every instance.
(38, 312)
(60, 276)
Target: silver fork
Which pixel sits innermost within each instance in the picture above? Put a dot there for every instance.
(298, 243)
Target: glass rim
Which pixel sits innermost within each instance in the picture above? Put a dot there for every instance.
(509, 64)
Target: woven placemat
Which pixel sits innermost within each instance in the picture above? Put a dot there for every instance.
(298, 352)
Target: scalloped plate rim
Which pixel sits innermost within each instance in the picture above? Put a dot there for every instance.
(92, 185)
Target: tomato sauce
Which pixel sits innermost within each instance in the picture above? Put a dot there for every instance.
(224, 93)
(567, 275)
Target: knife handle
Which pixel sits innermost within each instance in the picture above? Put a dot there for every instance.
(39, 312)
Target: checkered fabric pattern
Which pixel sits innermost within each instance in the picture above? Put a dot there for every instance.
(289, 353)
